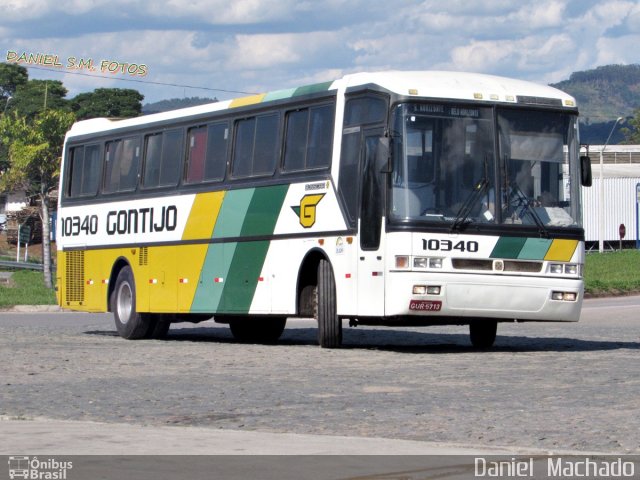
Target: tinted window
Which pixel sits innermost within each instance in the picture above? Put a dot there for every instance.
(196, 154)
(243, 151)
(171, 157)
(309, 138)
(264, 156)
(359, 111)
(295, 149)
(122, 158)
(216, 160)
(255, 147)
(320, 142)
(207, 153)
(84, 171)
(163, 156)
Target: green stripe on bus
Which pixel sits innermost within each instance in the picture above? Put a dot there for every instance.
(233, 213)
(508, 247)
(242, 281)
(230, 272)
(249, 257)
(211, 283)
(264, 210)
(315, 88)
(534, 249)
(279, 95)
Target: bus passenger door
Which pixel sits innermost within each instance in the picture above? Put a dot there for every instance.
(371, 241)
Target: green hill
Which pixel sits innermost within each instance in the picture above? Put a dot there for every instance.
(605, 93)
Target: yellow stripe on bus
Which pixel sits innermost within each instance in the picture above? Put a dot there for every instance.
(203, 216)
(244, 101)
(561, 250)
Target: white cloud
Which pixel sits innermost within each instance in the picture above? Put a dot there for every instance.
(260, 45)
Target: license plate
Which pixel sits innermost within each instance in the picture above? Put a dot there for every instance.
(425, 305)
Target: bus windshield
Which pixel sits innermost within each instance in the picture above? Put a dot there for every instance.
(448, 168)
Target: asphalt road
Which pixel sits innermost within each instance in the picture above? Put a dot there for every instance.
(559, 386)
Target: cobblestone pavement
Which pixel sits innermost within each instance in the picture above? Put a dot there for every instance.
(548, 386)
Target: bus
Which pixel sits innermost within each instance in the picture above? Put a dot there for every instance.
(390, 198)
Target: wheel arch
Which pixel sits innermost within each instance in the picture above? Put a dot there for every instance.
(308, 281)
(118, 265)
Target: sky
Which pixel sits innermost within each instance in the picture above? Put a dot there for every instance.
(231, 48)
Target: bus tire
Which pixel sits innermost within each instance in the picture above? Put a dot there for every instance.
(483, 333)
(329, 324)
(129, 323)
(160, 325)
(263, 330)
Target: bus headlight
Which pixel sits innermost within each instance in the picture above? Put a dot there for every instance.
(556, 268)
(571, 269)
(420, 262)
(435, 263)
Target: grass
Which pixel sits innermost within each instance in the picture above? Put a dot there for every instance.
(614, 273)
(26, 288)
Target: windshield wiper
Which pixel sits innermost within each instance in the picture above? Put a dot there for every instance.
(523, 201)
(462, 217)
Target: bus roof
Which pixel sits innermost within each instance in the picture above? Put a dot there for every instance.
(420, 84)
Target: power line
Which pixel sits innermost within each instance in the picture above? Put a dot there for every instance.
(67, 72)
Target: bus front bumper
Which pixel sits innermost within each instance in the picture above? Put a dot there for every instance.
(488, 296)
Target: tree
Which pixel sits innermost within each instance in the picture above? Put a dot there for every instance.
(107, 102)
(632, 132)
(36, 96)
(35, 150)
(11, 76)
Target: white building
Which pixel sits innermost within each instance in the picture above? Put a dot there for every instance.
(620, 180)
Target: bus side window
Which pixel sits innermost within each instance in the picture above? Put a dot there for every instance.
(255, 146)
(216, 159)
(309, 138)
(163, 157)
(197, 138)
(84, 171)
(122, 159)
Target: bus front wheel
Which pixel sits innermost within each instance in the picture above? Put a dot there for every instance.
(129, 323)
(483, 333)
(329, 324)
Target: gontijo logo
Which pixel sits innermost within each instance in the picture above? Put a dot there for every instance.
(306, 211)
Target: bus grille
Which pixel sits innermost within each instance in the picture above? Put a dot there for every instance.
(143, 256)
(488, 265)
(75, 277)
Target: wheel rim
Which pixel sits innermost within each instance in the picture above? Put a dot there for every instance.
(124, 303)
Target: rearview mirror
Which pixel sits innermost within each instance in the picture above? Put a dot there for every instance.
(585, 171)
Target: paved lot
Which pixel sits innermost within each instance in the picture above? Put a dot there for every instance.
(544, 386)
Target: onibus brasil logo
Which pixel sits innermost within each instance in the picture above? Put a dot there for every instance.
(33, 468)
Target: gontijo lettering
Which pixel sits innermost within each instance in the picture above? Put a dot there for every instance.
(123, 222)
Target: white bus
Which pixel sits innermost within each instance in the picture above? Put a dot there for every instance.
(394, 198)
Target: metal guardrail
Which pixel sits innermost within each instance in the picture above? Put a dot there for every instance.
(21, 265)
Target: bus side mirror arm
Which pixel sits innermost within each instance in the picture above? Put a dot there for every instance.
(585, 171)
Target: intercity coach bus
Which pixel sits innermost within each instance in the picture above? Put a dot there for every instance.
(393, 198)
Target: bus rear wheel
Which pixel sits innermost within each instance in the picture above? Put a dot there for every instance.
(329, 324)
(262, 330)
(160, 325)
(129, 323)
(483, 333)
